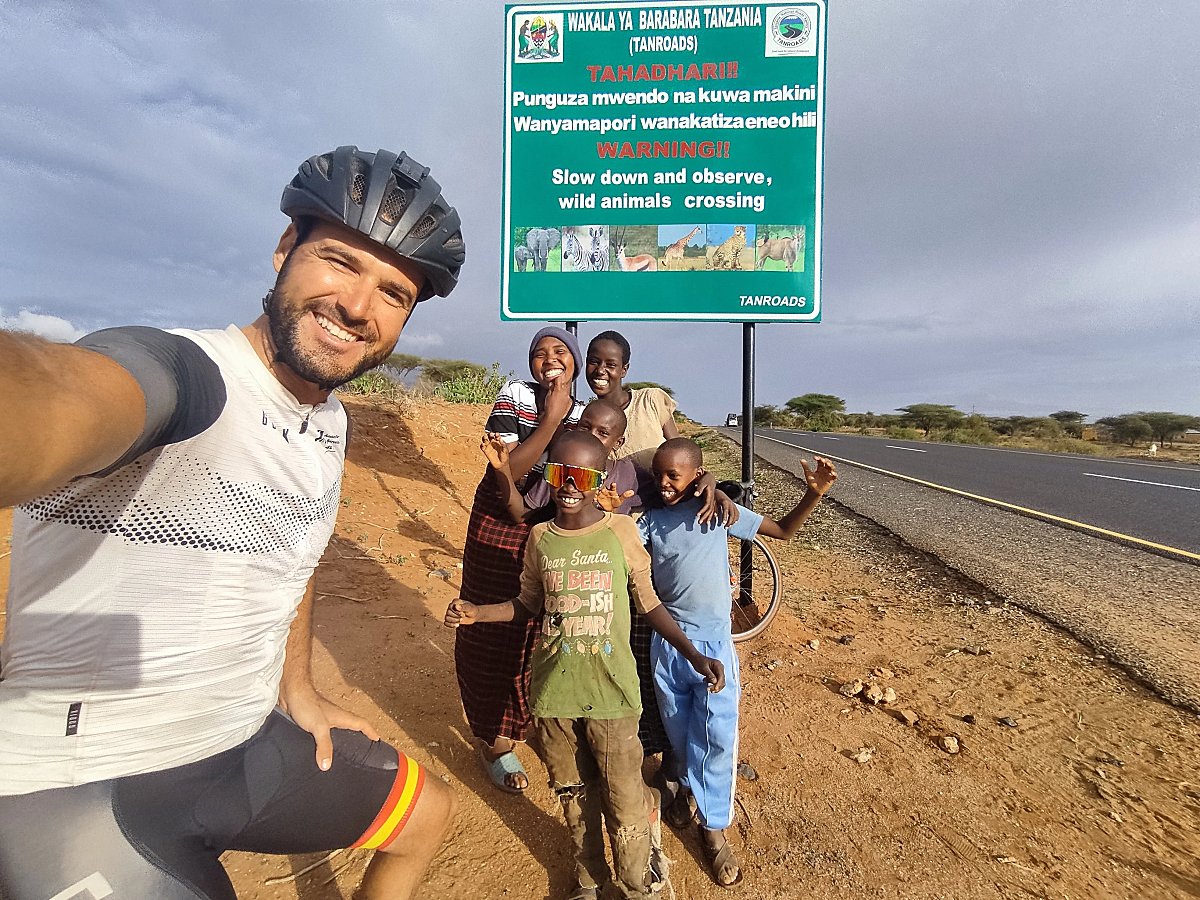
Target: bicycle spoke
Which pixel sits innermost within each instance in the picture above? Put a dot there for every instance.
(755, 589)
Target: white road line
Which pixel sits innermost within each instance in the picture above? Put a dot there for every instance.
(1084, 526)
(1179, 487)
(826, 437)
(1064, 457)
(909, 449)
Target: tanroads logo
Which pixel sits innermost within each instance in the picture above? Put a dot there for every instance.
(790, 31)
(539, 39)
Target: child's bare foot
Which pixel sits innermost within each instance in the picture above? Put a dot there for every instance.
(721, 862)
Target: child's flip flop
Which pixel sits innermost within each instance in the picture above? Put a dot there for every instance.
(720, 858)
(498, 768)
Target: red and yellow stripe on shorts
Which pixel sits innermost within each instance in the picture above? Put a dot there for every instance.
(401, 800)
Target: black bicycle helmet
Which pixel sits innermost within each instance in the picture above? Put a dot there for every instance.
(390, 198)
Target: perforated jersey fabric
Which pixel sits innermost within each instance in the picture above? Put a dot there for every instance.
(148, 607)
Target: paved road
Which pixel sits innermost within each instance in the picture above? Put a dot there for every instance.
(1156, 502)
(1140, 609)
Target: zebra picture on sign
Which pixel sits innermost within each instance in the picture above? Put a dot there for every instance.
(646, 172)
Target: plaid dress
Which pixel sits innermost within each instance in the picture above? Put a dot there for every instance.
(492, 659)
(650, 729)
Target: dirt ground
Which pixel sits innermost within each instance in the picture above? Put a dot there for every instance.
(1089, 789)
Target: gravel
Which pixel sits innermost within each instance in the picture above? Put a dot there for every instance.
(1140, 610)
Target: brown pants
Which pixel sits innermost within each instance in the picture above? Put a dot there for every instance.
(595, 768)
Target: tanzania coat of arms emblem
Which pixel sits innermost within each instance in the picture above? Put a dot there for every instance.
(538, 39)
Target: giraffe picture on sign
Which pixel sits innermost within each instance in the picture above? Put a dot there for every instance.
(681, 247)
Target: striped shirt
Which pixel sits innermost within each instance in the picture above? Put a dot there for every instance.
(514, 415)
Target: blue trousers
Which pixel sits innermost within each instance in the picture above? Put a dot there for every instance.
(702, 726)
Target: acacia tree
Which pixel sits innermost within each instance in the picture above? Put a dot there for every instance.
(1070, 420)
(817, 412)
(404, 362)
(813, 404)
(1166, 426)
(930, 415)
(1129, 428)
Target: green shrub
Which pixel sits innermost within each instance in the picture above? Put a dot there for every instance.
(903, 433)
(973, 435)
(821, 421)
(372, 384)
(473, 386)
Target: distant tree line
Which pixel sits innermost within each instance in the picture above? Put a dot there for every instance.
(825, 412)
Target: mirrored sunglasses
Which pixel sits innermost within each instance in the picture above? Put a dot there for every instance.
(585, 479)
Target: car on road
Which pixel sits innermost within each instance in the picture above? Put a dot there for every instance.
(733, 420)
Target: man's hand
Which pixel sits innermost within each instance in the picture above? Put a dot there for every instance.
(316, 715)
(495, 449)
(822, 479)
(610, 499)
(461, 612)
(712, 670)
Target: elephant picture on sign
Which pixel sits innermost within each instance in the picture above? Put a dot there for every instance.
(540, 244)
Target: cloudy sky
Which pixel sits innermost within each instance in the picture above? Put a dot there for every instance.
(1012, 188)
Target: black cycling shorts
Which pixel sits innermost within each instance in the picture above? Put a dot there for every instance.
(160, 835)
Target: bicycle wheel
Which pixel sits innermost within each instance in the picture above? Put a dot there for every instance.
(755, 586)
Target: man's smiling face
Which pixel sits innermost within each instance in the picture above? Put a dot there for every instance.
(339, 303)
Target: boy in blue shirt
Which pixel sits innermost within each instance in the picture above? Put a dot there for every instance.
(690, 570)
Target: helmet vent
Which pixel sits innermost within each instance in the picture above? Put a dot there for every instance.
(394, 204)
(359, 172)
(323, 164)
(358, 188)
(424, 228)
(455, 240)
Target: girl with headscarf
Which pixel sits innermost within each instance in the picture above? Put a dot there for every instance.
(492, 660)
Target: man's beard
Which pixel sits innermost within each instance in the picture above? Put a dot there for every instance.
(284, 317)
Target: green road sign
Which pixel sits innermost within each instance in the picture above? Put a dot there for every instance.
(663, 161)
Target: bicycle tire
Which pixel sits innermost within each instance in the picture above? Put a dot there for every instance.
(751, 614)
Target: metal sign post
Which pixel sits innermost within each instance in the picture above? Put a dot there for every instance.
(746, 563)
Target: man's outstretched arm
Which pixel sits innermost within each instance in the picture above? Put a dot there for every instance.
(72, 411)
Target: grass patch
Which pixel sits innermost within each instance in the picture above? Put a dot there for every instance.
(372, 384)
(475, 386)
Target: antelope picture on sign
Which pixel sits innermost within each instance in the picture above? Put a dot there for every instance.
(780, 247)
(643, 262)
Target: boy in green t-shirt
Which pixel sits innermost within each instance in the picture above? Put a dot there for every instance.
(580, 570)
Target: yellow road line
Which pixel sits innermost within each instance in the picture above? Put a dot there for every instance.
(1035, 513)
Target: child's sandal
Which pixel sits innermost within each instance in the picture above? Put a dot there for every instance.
(682, 811)
(719, 858)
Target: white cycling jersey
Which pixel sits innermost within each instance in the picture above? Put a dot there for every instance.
(148, 607)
